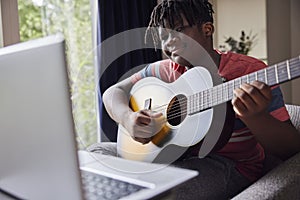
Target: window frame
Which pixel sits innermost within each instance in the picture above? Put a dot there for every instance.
(9, 22)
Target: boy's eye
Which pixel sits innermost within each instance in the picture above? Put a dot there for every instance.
(179, 29)
(164, 37)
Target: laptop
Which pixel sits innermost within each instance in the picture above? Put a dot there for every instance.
(38, 150)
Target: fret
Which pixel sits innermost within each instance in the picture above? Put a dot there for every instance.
(256, 76)
(207, 98)
(233, 84)
(282, 73)
(261, 76)
(210, 98)
(248, 81)
(198, 102)
(216, 99)
(236, 83)
(295, 67)
(195, 102)
(288, 69)
(225, 91)
(230, 89)
(266, 76)
(192, 104)
(252, 77)
(215, 96)
(245, 79)
(189, 105)
(271, 75)
(203, 100)
(276, 74)
(221, 94)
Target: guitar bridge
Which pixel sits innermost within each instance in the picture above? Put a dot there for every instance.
(147, 104)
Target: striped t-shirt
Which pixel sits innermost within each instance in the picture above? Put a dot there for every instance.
(242, 147)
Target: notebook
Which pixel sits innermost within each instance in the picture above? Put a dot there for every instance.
(38, 150)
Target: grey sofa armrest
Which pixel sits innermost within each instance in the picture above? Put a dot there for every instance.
(294, 111)
(283, 182)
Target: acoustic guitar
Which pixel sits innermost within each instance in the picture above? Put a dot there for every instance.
(195, 110)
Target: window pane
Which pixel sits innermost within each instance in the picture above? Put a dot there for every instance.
(73, 18)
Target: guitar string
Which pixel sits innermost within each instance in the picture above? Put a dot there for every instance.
(273, 79)
(291, 63)
(177, 110)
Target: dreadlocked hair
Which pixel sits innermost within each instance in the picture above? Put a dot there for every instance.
(169, 12)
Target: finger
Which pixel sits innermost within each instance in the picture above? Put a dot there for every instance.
(151, 113)
(255, 94)
(242, 94)
(156, 114)
(142, 140)
(264, 89)
(143, 131)
(142, 119)
(238, 106)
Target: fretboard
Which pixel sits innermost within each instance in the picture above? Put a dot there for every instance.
(272, 75)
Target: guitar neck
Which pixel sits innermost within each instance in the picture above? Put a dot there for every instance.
(272, 75)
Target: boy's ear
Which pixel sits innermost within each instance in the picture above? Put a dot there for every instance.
(208, 29)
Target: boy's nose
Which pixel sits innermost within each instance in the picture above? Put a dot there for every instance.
(172, 38)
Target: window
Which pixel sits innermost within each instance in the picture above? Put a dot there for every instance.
(38, 18)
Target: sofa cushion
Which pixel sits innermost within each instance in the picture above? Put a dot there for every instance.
(294, 111)
(282, 182)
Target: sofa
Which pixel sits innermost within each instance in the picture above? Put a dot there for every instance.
(281, 182)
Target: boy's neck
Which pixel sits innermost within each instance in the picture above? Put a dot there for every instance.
(216, 57)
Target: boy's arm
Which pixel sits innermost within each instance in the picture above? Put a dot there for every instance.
(116, 101)
(141, 125)
(250, 103)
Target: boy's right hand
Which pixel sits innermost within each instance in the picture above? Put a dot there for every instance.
(144, 124)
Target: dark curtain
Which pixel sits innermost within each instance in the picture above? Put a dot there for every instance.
(115, 17)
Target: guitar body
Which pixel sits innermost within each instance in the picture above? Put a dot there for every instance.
(185, 130)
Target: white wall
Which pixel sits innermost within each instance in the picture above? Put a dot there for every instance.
(1, 31)
(283, 39)
(278, 27)
(295, 47)
(232, 16)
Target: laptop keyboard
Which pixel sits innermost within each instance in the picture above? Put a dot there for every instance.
(101, 187)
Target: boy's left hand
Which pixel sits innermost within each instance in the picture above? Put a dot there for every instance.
(251, 100)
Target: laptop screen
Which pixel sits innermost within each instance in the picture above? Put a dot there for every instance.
(37, 137)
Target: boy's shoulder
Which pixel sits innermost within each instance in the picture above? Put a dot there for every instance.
(233, 65)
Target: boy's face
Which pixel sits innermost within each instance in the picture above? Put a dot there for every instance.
(182, 44)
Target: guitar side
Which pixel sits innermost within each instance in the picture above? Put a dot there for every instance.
(191, 130)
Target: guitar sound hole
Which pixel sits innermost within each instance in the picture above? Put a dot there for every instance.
(177, 109)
